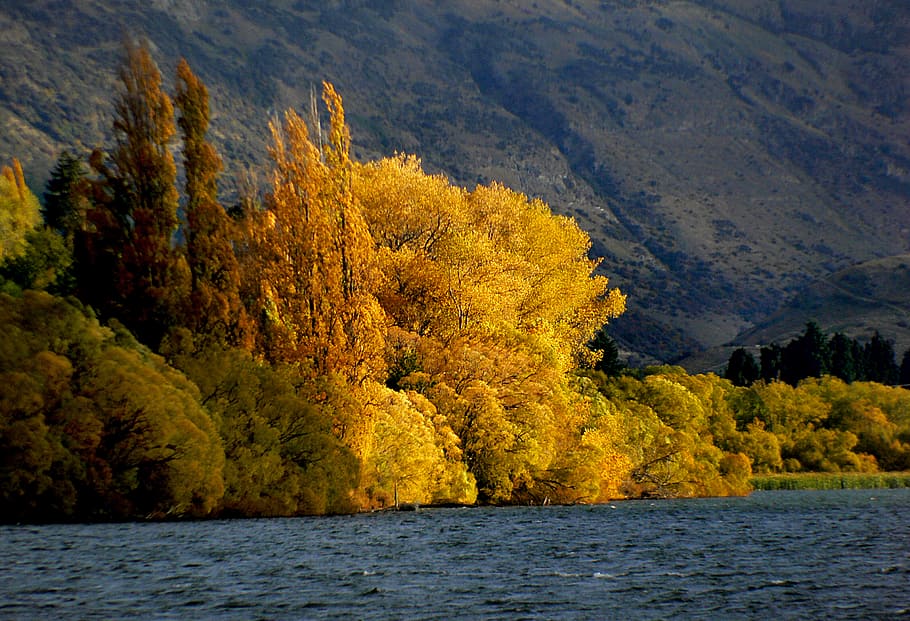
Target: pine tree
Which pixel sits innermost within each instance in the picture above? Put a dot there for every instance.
(214, 310)
(905, 369)
(609, 362)
(806, 356)
(66, 197)
(742, 369)
(879, 361)
(844, 363)
(770, 357)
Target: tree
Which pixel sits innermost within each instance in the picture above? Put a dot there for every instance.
(878, 356)
(214, 309)
(44, 264)
(806, 356)
(609, 361)
(312, 258)
(846, 358)
(19, 211)
(129, 267)
(905, 369)
(770, 357)
(95, 426)
(66, 197)
(742, 369)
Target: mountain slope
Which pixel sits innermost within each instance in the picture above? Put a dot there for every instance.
(855, 301)
(722, 154)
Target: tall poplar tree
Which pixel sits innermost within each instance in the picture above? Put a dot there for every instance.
(314, 257)
(214, 311)
(135, 211)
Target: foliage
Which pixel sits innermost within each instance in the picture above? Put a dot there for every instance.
(93, 425)
(19, 211)
(281, 457)
(368, 334)
(310, 263)
(128, 265)
(813, 354)
(213, 309)
(742, 369)
(66, 197)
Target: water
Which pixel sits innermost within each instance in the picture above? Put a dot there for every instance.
(787, 555)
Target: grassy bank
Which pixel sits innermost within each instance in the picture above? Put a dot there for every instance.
(831, 480)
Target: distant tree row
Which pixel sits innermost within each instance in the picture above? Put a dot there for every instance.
(814, 354)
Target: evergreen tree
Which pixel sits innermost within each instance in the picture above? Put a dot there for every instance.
(879, 361)
(806, 356)
(845, 363)
(742, 369)
(770, 357)
(609, 363)
(905, 369)
(66, 197)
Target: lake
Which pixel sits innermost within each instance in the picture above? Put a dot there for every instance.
(841, 554)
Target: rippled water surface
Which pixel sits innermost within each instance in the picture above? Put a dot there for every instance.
(841, 554)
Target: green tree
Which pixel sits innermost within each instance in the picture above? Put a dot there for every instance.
(742, 369)
(806, 356)
(846, 358)
(905, 369)
(878, 357)
(770, 357)
(45, 264)
(66, 197)
(609, 361)
(95, 426)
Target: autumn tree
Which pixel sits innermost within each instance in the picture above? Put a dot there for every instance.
(312, 256)
(214, 308)
(19, 211)
(129, 266)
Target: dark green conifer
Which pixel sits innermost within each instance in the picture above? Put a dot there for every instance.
(742, 369)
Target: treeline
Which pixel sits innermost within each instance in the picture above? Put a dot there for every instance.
(815, 354)
(351, 336)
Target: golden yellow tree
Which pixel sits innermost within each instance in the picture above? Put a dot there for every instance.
(19, 211)
(313, 256)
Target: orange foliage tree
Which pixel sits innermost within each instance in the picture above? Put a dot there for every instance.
(214, 309)
(311, 256)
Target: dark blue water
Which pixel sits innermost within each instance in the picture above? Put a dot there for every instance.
(787, 555)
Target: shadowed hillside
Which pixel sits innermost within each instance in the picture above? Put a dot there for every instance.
(722, 154)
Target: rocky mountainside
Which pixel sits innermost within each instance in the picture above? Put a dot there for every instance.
(722, 154)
